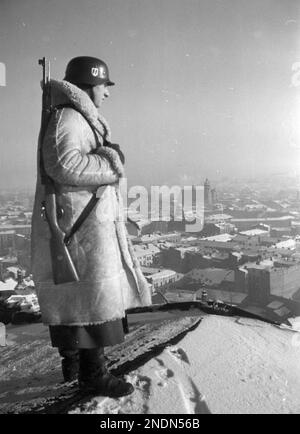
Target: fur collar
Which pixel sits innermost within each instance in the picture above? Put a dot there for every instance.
(64, 92)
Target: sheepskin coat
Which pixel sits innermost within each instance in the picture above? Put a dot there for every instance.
(111, 280)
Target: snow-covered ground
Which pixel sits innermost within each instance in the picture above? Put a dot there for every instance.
(225, 365)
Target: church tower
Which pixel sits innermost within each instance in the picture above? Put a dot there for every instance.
(207, 194)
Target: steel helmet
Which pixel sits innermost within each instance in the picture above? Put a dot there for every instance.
(87, 70)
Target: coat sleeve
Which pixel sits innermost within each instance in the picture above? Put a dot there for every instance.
(64, 160)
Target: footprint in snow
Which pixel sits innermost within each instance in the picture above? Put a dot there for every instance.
(179, 354)
(159, 361)
(163, 375)
(143, 383)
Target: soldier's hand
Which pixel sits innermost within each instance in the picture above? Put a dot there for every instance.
(116, 148)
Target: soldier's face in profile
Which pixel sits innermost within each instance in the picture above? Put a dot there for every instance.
(99, 93)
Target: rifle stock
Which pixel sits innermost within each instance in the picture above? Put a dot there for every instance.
(63, 269)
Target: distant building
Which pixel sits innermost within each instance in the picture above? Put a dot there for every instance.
(16, 273)
(155, 238)
(163, 279)
(241, 279)
(295, 229)
(212, 277)
(20, 229)
(147, 254)
(218, 218)
(269, 241)
(174, 258)
(285, 281)
(230, 297)
(223, 246)
(286, 262)
(264, 282)
(207, 194)
(214, 196)
(221, 238)
(210, 195)
(7, 241)
(8, 285)
(289, 244)
(248, 223)
(197, 260)
(280, 232)
(255, 232)
(211, 229)
(247, 241)
(180, 295)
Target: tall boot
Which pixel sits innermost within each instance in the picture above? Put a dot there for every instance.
(69, 364)
(94, 377)
(125, 325)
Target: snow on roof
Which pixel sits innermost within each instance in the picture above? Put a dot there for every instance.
(150, 270)
(217, 217)
(12, 227)
(187, 249)
(8, 285)
(262, 219)
(29, 282)
(190, 239)
(7, 232)
(253, 232)
(146, 250)
(209, 371)
(221, 238)
(13, 269)
(163, 273)
(295, 322)
(266, 264)
(286, 244)
(237, 254)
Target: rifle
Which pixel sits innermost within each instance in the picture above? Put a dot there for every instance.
(63, 268)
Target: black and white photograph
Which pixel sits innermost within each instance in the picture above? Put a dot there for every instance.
(149, 209)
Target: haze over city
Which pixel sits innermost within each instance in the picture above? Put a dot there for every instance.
(175, 285)
(203, 87)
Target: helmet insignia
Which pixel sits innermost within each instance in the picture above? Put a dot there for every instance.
(94, 72)
(99, 72)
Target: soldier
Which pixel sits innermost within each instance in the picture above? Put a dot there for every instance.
(78, 156)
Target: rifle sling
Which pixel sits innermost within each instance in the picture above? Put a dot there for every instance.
(82, 217)
(94, 199)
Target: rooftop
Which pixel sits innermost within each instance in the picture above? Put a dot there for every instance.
(253, 232)
(264, 219)
(224, 365)
(221, 238)
(210, 371)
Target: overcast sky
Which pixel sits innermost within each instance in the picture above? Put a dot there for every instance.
(203, 87)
